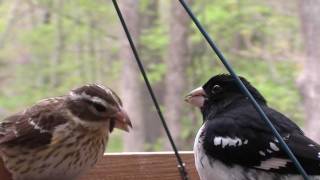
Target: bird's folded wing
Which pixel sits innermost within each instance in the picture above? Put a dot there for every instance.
(307, 151)
(250, 147)
(33, 127)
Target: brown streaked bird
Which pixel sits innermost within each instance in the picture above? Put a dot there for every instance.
(61, 137)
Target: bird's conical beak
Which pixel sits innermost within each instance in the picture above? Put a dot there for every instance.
(196, 97)
(122, 120)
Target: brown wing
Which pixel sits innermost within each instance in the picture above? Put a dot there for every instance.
(33, 127)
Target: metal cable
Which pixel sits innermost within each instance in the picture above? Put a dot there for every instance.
(245, 91)
(181, 165)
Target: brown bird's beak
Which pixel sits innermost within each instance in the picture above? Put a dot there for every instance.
(122, 120)
(196, 97)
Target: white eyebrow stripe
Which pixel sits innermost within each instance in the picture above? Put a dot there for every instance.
(108, 91)
(104, 88)
(86, 96)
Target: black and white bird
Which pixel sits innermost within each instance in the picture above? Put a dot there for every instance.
(234, 143)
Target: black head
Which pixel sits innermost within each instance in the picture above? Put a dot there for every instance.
(223, 86)
(94, 103)
(220, 90)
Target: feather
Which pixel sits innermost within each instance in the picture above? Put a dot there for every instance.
(34, 126)
(234, 135)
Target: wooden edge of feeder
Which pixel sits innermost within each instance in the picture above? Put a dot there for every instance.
(135, 166)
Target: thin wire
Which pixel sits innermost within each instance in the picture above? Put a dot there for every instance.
(181, 166)
(245, 91)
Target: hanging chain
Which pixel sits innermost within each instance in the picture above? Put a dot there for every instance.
(245, 91)
(181, 165)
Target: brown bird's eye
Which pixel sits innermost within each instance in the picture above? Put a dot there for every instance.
(99, 107)
(216, 89)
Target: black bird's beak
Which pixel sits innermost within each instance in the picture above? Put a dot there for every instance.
(196, 97)
(122, 120)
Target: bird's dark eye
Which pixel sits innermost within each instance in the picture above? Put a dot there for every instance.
(99, 107)
(216, 89)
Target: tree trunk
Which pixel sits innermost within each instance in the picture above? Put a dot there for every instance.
(153, 127)
(94, 61)
(309, 82)
(176, 69)
(59, 47)
(80, 71)
(9, 22)
(131, 82)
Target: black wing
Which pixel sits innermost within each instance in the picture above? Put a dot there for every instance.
(241, 137)
(34, 126)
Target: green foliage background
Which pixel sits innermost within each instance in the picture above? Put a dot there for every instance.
(260, 38)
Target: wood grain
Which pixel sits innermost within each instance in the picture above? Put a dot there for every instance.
(141, 166)
(135, 166)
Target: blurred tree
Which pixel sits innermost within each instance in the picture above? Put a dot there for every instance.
(131, 85)
(176, 62)
(59, 48)
(9, 22)
(259, 37)
(151, 56)
(309, 81)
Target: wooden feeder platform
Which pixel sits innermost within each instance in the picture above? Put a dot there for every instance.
(136, 166)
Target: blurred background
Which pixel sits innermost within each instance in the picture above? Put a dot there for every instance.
(48, 47)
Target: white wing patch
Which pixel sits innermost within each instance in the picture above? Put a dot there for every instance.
(262, 153)
(217, 141)
(245, 141)
(274, 147)
(36, 126)
(227, 141)
(269, 151)
(16, 133)
(273, 163)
